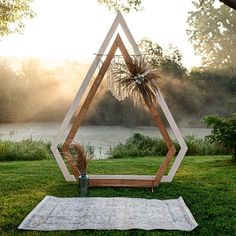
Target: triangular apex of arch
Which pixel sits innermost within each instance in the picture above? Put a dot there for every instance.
(119, 20)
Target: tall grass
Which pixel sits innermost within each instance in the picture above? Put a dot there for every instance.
(25, 150)
(136, 146)
(141, 145)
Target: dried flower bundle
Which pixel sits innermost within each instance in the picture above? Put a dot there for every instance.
(135, 78)
(80, 157)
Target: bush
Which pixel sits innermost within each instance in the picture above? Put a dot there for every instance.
(25, 150)
(140, 145)
(199, 146)
(223, 132)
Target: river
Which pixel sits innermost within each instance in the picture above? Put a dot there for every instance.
(100, 137)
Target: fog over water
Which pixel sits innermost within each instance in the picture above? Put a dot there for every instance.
(100, 137)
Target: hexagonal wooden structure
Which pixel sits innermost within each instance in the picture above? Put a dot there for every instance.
(117, 180)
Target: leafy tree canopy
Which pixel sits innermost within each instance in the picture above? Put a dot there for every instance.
(127, 5)
(12, 15)
(212, 31)
(170, 61)
(122, 5)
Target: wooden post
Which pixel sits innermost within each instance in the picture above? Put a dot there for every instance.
(171, 148)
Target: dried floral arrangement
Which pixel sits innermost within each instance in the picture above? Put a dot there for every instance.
(134, 78)
(80, 157)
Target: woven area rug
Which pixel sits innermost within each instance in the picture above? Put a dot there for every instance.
(54, 213)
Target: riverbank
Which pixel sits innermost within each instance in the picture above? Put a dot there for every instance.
(102, 138)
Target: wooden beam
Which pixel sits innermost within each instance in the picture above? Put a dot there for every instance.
(121, 180)
(158, 121)
(164, 165)
(90, 96)
(171, 148)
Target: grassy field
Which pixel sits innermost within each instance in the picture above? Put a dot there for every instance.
(206, 183)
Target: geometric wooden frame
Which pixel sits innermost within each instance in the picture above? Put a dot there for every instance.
(118, 180)
(112, 180)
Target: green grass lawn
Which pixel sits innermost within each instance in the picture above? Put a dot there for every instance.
(206, 183)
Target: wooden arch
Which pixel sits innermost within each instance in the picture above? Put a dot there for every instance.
(117, 180)
(135, 181)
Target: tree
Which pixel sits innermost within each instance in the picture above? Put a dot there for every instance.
(13, 13)
(223, 132)
(119, 5)
(212, 31)
(170, 60)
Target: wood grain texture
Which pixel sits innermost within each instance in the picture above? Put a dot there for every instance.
(121, 181)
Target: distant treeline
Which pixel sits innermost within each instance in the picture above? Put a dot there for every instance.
(35, 93)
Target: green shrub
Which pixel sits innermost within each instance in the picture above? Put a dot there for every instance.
(223, 132)
(27, 150)
(199, 146)
(140, 145)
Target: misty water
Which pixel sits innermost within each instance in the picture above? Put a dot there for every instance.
(102, 138)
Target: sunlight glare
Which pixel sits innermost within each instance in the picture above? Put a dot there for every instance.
(74, 30)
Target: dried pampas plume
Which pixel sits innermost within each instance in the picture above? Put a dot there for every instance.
(134, 78)
(80, 157)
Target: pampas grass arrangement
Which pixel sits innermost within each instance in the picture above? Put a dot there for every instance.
(80, 157)
(134, 78)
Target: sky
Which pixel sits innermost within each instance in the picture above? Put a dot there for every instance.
(75, 29)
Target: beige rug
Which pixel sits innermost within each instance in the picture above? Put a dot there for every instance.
(54, 213)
